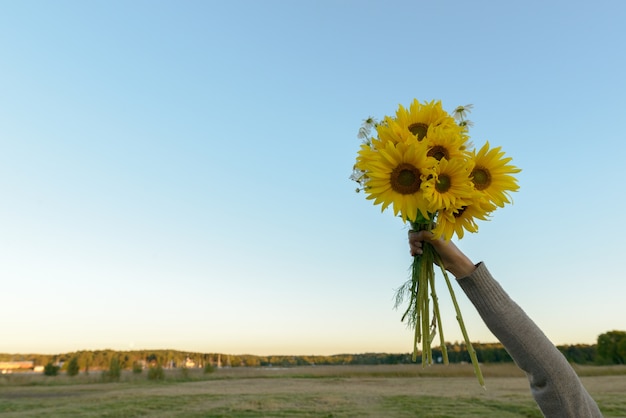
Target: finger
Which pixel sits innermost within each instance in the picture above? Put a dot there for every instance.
(420, 236)
(415, 245)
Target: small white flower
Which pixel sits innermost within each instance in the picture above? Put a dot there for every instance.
(366, 127)
(461, 112)
(363, 132)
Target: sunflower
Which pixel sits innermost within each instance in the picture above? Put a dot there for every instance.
(420, 118)
(446, 143)
(459, 220)
(449, 186)
(492, 175)
(363, 155)
(390, 130)
(395, 173)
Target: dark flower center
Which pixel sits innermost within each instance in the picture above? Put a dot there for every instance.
(460, 212)
(481, 178)
(439, 152)
(419, 130)
(443, 183)
(405, 179)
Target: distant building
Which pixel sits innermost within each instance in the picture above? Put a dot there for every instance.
(11, 366)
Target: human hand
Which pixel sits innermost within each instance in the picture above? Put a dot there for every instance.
(453, 259)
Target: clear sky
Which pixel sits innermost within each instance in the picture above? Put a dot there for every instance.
(175, 174)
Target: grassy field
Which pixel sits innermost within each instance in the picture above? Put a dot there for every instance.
(315, 391)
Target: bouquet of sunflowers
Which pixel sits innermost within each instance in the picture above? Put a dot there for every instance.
(422, 164)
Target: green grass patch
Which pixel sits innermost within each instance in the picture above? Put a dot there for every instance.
(451, 407)
(333, 391)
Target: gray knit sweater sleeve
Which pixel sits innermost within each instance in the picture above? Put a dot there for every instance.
(553, 383)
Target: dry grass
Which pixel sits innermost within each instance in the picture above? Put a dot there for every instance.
(320, 391)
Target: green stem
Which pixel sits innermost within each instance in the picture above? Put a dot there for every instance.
(415, 292)
(442, 341)
(459, 317)
(423, 298)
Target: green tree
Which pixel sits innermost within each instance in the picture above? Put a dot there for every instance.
(115, 370)
(208, 368)
(73, 367)
(579, 353)
(51, 369)
(612, 347)
(156, 373)
(137, 367)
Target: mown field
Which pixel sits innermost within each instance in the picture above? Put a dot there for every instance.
(315, 391)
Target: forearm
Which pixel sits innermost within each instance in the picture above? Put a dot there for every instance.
(554, 384)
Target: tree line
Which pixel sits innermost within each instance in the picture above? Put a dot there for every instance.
(610, 349)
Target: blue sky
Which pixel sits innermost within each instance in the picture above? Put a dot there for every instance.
(176, 174)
